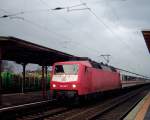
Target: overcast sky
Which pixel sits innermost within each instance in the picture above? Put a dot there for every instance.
(100, 27)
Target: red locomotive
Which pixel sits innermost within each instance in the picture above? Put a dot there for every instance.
(82, 78)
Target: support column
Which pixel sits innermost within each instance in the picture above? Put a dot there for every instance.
(0, 77)
(43, 83)
(24, 76)
(46, 72)
(46, 79)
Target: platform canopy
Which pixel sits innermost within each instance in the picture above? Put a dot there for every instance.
(21, 51)
(146, 35)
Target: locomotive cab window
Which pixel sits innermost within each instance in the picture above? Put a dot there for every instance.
(66, 69)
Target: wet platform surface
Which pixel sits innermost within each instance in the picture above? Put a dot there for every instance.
(141, 110)
(147, 116)
(22, 98)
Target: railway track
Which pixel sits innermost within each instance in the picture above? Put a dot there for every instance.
(119, 110)
(115, 109)
(9, 113)
(44, 114)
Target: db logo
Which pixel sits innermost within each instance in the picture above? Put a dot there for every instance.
(64, 86)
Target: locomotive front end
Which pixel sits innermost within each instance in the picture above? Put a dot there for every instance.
(65, 79)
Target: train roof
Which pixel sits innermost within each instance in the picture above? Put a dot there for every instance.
(90, 63)
(87, 63)
(97, 65)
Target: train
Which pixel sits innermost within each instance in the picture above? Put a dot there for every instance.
(85, 77)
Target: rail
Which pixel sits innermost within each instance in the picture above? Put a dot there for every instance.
(106, 110)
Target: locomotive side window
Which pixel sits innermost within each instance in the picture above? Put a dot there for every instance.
(59, 69)
(66, 69)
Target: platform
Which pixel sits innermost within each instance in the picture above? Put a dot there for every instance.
(147, 116)
(21, 98)
(141, 111)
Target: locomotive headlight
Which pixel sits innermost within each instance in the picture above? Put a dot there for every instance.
(54, 85)
(74, 86)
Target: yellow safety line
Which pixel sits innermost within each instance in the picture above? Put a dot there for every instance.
(142, 112)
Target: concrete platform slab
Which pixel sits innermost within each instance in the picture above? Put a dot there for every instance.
(139, 112)
(147, 117)
(22, 98)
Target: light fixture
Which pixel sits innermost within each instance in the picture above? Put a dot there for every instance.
(74, 86)
(54, 85)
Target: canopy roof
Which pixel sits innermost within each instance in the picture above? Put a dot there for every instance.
(21, 51)
(146, 35)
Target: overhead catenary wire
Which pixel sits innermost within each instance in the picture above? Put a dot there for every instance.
(86, 46)
(35, 24)
(3, 10)
(114, 12)
(89, 36)
(14, 16)
(24, 12)
(108, 28)
(19, 13)
(118, 21)
(100, 21)
(28, 20)
(68, 8)
(93, 49)
(43, 10)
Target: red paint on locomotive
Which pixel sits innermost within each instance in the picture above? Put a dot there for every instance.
(83, 78)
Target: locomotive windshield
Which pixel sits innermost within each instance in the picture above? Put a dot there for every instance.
(66, 69)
